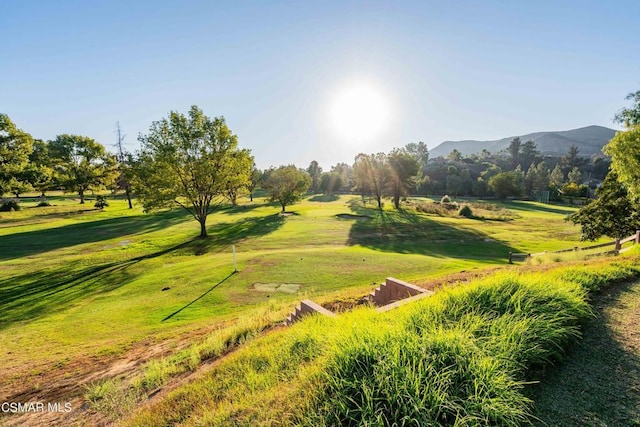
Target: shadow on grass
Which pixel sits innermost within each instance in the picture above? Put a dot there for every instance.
(223, 235)
(200, 297)
(35, 294)
(599, 382)
(324, 198)
(28, 243)
(528, 207)
(240, 209)
(408, 232)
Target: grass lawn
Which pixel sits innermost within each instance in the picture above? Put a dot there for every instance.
(80, 287)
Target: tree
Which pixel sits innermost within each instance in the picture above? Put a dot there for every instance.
(403, 170)
(15, 148)
(613, 213)
(239, 179)
(330, 182)
(455, 155)
(82, 164)
(123, 181)
(537, 178)
(315, 172)
(507, 184)
(557, 177)
(572, 159)
(529, 154)
(39, 172)
(574, 176)
(514, 151)
(287, 185)
(254, 180)
(371, 175)
(188, 161)
(630, 117)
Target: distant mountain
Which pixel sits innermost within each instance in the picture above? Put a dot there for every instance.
(589, 141)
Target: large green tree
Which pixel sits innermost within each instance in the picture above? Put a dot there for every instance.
(287, 185)
(188, 161)
(315, 172)
(15, 148)
(403, 170)
(507, 184)
(371, 175)
(613, 213)
(81, 164)
(240, 175)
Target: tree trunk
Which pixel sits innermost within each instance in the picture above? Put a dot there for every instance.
(81, 193)
(396, 201)
(379, 202)
(128, 193)
(203, 227)
(251, 196)
(283, 206)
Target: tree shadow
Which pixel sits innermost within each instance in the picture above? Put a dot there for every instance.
(408, 232)
(200, 297)
(527, 207)
(240, 209)
(29, 243)
(223, 235)
(598, 382)
(36, 294)
(324, 198)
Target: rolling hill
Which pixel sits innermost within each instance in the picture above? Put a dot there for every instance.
(589, 140)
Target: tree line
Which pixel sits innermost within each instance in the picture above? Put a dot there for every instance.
(193, 161)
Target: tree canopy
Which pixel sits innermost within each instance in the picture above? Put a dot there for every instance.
(189, 161)
(81, 164)
(287, 185)
(15, 148)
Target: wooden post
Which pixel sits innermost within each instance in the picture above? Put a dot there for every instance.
(618, 246)
(637, 237)
(235, 264)
(510, 257)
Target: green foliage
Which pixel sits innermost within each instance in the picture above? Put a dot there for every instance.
(192, 161)
(330, 182)
(81, 164)
(315, 172)
(15, 148)
(101, 202)
(624, 149)
(371, 175)
(287, 185)
(630, 117)
(8, 205)
(403, 170)
(507, 184)
(613, 213)
(466, 211)
(445, 199)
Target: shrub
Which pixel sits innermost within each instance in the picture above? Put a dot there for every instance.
(432, 208)
(42, 202)
(101, 202)
(466, 211)
(9, 205)
(445, 199)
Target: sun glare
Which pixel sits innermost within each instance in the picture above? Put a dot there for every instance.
(359, 112)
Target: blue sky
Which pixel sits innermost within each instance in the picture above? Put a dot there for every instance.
(448, 70)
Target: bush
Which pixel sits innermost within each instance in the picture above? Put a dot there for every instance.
(445, 199)
(101, 202)
(466, 211)
(432, 208)
(9, 205)
(42, 201)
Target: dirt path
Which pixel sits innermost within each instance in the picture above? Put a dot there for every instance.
(599, 382)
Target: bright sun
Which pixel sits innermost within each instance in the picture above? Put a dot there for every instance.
(359, 112)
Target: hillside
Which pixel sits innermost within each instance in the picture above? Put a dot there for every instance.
(589, 140)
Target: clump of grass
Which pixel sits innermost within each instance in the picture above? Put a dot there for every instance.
(458, 359)
(465, 211)
(110, 398)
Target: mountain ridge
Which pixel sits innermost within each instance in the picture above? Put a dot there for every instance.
(588, 139)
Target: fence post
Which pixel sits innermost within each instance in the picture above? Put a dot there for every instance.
(618, 246)
(510, 257)
(637, 237)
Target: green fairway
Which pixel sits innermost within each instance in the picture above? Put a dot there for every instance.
(80, 283)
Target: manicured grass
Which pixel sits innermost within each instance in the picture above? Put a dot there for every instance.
(81, 283)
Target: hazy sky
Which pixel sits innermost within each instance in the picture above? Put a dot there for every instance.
(439, 70)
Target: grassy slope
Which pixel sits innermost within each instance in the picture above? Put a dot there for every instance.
(458, 358)
(78, 282)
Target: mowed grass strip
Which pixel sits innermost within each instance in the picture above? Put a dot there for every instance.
(461, 357)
